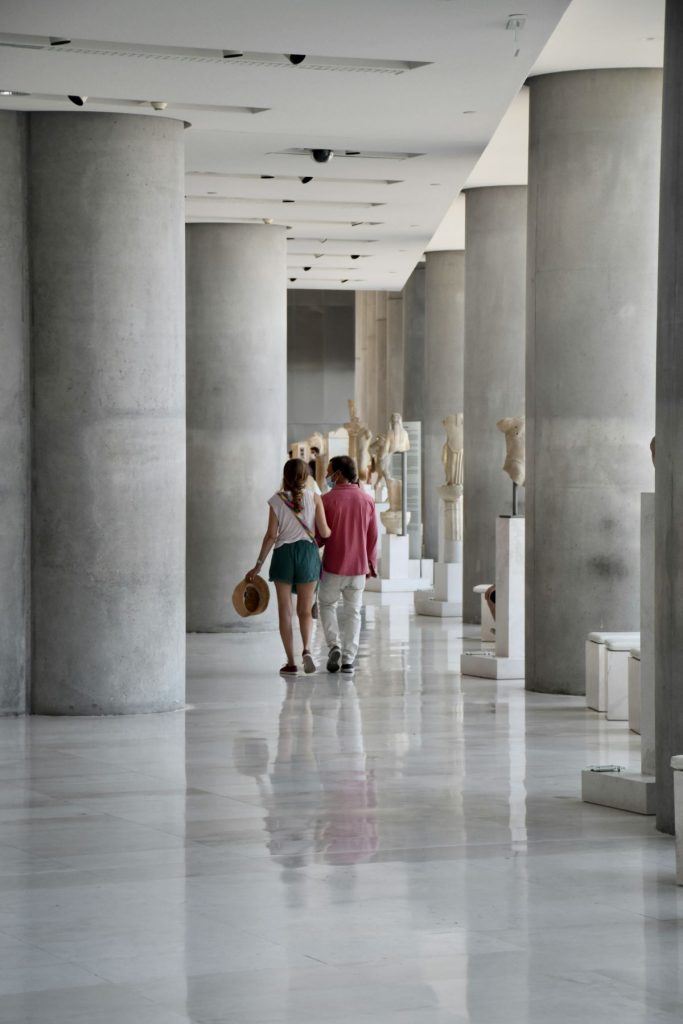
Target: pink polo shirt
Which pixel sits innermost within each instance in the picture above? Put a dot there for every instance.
(350, 514)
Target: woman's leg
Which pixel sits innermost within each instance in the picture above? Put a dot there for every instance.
(284, 611)
(305, 595)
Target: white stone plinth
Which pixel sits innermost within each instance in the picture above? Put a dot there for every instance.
(445, 601)
(487, 632)
(634, 696)
(627, 791)
(450, 524)
(398, 572)
(508, 660)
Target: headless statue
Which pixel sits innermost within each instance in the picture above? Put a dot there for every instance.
(451, 455)
(514, 428)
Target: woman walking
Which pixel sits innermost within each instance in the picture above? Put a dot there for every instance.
(295, 513)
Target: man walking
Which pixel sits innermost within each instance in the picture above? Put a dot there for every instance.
(350, 555)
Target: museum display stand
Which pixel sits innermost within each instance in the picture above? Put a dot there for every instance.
(398, 572)
(445, 600)
(507, 661)
(625, 790)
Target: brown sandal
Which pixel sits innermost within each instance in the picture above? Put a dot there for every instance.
(288, 670)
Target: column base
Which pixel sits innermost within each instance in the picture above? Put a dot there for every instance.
(626, 791)
(445, 600)
(490, 666)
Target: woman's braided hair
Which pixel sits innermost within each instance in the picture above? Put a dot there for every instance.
(294, 478)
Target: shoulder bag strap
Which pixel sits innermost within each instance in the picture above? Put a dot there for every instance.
(283, 497)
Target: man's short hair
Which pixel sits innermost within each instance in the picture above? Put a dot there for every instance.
(345, 465)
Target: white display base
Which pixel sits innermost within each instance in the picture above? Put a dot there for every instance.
(508, 660)
(626, 791)
(445, 601)
(617, 685)
(490, 666)
(634, 696)
(487, 633)
(398, 572)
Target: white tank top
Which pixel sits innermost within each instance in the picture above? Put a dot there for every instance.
(290, 529)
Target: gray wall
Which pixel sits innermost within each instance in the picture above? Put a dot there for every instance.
(14, 457)
(320, 360)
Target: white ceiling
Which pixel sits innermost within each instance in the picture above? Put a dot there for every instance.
(471, 67)
(591, 34)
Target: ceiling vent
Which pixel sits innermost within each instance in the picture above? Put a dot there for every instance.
(168, 106)
(298, 202)
(227, 57)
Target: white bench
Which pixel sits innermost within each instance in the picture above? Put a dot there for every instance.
(634, 690)
(677, 765)
(616, 682)
(488, 627)
(596, 666)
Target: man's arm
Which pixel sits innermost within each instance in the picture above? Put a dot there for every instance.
(371, 539)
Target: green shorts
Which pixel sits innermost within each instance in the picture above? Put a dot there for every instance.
(295, 563)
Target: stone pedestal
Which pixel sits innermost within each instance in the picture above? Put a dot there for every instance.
(445, 601)
(508, 660)
(399, 573)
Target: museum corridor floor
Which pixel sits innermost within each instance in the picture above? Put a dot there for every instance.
(407, 846)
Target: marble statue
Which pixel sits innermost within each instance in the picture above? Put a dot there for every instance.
(363, 457)
(397, 435)
(450, 536)
(514, 428)
(354, 428)
(383, 447)
(451, 455)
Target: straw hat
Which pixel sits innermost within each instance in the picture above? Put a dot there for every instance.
(251, 598)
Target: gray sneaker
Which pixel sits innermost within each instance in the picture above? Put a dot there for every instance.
(347, 668)
(333, 659)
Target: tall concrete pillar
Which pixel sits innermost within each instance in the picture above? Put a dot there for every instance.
(236, 410)
(591, 320)
(669, 491)
(443, 373)
(14, 416)
(360, 352)
(413, 345)
(495, 351)
(381, 413)
(394, 392)
(108, 361)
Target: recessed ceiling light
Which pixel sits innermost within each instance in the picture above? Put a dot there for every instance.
(227, 54)
(292, 279)
(267, 177)
(58, 41)
(469, 111)
(288, 200)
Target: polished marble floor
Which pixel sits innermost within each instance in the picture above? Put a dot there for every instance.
(408, 847)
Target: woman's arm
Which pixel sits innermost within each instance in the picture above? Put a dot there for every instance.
(268, 541)
(320, 518)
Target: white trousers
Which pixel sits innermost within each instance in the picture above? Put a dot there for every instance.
(350, 589)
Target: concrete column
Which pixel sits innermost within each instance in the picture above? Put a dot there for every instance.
(495, 349)
(381, 413)
(361, 351)
(394, 390)
(413, 345)
(669, 489)
(236, 410)
(108, 362)
(369, 414)
(443, 373)
(14, 415)
(591, 316)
